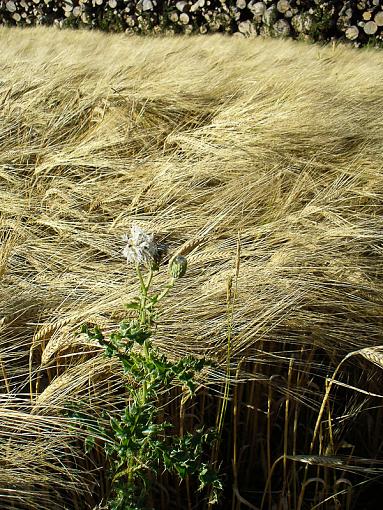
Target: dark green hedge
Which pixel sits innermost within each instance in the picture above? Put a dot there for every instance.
(357, 21)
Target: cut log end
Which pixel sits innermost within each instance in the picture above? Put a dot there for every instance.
(370, 28)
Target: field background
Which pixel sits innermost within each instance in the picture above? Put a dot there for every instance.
(266, 152)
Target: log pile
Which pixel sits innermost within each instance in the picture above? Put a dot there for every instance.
(362, 20)
(357, 21)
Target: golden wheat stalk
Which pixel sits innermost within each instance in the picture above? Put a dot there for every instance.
(268, 138)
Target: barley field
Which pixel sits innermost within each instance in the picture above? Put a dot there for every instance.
(264, 157)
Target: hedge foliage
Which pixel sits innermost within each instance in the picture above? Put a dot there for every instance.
(357, 21)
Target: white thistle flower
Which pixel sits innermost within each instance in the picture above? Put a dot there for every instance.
(142, 249)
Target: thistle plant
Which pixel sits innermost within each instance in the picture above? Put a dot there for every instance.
(137, 442)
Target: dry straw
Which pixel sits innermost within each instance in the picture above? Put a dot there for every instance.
(195, 140)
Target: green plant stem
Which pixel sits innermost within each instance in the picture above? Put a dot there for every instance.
(169, 286)
(144, 287)
(141, 278)
(143, 295)
(145, 383)
(149, 280)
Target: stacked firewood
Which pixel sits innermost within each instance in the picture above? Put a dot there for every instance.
(357, 21)
(361, 20)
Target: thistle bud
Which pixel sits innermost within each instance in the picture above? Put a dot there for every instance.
(178, 267)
